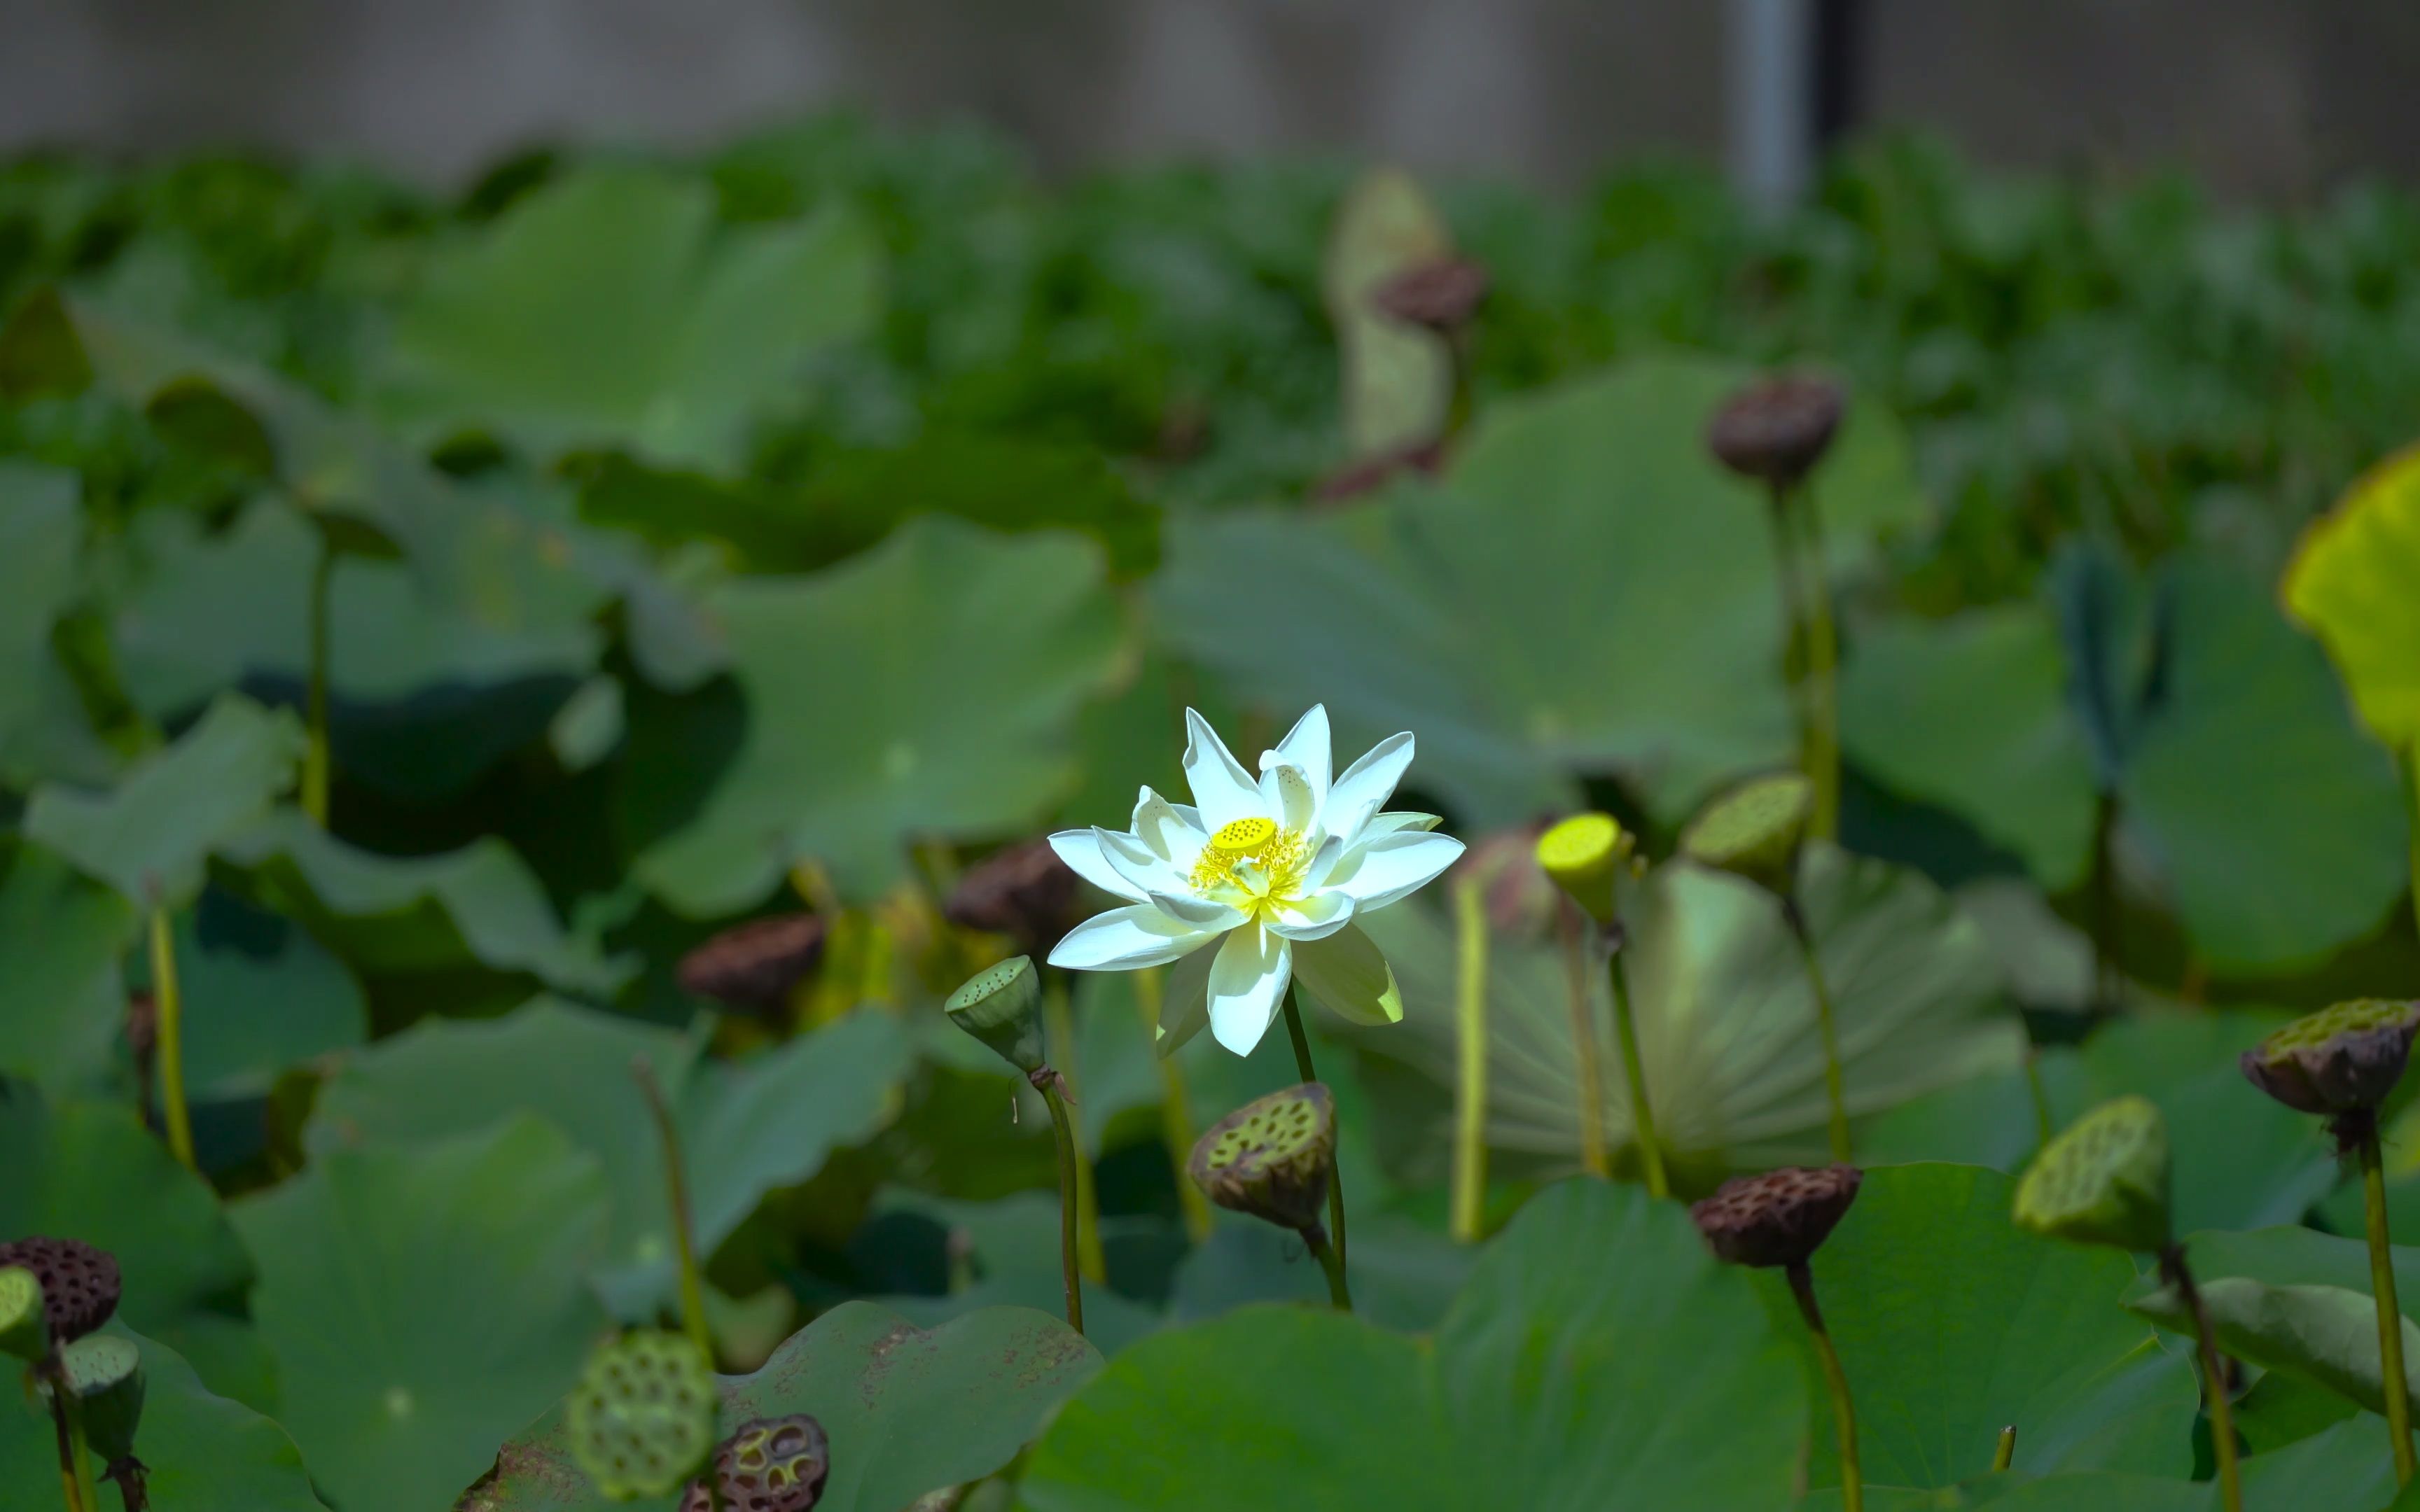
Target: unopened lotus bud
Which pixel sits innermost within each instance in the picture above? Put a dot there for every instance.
(773, 1464)
(1024, 891)
(1273, 1157)
(2341, 1059)
(1775, 430)
(2103, 1180)
(1442, 295)
(999, 1005)
(24, 1332)
(642, 1418)
(752, 967)
(1778, 1218)
(105, 1372)
(1753, 830)
(79, 1284)
(1584, 855)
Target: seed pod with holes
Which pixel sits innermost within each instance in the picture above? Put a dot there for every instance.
(999, 1005)
(1779, 1218)
(642, 1418)
(1775, 431)
(2341, 1059)
(1441, 295)
(1584, 855)
(751, 967)
(773, 1464)
(2103, 1180)
(24, 1332)
(1023, 891)
(106, 1371)
(79, 1284)
(1273, 1157)
(1753, 830)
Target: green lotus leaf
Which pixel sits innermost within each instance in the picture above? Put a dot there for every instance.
(668, 340)
(907, 1411)
(43, 729)
(2350, 582)
(2327, 1335)
(426, 1304)
(63, 998)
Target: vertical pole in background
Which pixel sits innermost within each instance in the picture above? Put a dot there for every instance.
(1792, 77)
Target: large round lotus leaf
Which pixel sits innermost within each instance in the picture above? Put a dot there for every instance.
(663, 338)
(260, 996)
(2325, 1335)
(2351, 582)
(1589, 593)
(201, 1452)
(151, 837)
(42, 729)
(1727, 1023)
(424, 1304)
(1398, 379)
(926, 688)
(1545, 1386)
(2032, 1324)
(907, 1411)
(62, 998)
(747, 1126)
(2090, 1491)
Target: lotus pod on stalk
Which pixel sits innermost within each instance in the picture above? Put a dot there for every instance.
(999, 1006)
(772, 1464)
(642, 1418)
(1586, 854)
(1022, 891)
(2341, 1059)
(1273, 1157)
(2103, 1180)
(752, 967)
(1777, 1218)
(80, 1283)
(105, 1372)
(1441, 295)
(1775, 430)
(1753, 830)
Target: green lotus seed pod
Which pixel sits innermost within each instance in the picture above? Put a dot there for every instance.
(2105, 1180)
(1272, 1157)
(773, 1464)
(998, 1005)
(1777, 1218)
(24, 1330)
(642, 1418)
(1584, 853)
(106, 1371)
(1753, 830)
(2341, 1059)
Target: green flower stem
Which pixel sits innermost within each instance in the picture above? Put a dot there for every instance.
(171, 1051)
(1469, 1207)
(1336, 1180)
(1822, 674)
(1844, 1413)
(2213, 1376)
(1316, 1240)
(1070, 1270)
(1634, 1071)
(2006, 1455)
(1584, 1056)
(1059, 1026)
(692, 1288)
(2045, 1125)
(2390, 1312)
(315, 760)
(74, 1475)
(1175, 1108)
(1833, 1089)
(1793, 621)
(2108, 971)
(2409, 760)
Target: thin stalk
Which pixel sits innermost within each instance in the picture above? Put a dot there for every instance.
(2006, 1455)
(1070, 1272)
(1470, 1077)
(1822, 674)
(171, 1004)
(2214, 1378)
(1316, 1240)
(2045, 1125)
(2107, 967)
(1584, 1056)
(1336, 1180)
(1175, 1108)
(692, 1287)
(1634, 1071)
(1833, 1088)
(315, 760)
(1793, 612)
(71, 1470)
(1844, 1413)
(1058, 1025)
(2409, 759)
(2390, 1312)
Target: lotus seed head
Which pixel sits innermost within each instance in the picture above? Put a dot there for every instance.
(998, 1005)
(2339, 1060)
(106, 1371)
(642, 1418)
(80, 1283)
(24, 1330)
(1241, 837)
(2103, 1180)
(753, 968)
(1583, 854)
(770, 1465)
(1775, 430)
(1273, 1157)
(1777, 1218)
(1755, 830)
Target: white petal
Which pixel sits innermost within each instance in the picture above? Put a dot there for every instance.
(1401, 819)
(1322, 864)
(1376, 872)
(1366, 786)
(1248, 981)
(1346, 972)
(1198, 911)
(1220, 785)
(1140, 867)
(1307, 748)
(1122, 939)
(1185, 1009)
(1312, 919)
(1083, 855)
(1174, 834)
(1288, 794)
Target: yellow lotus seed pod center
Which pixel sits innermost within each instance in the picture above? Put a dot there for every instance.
(1241, 837)
(1580, 845)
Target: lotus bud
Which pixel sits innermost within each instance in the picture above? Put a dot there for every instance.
(1273, 1157)
(642, 1418)
(1775, 430)
(752, 967)
(1753, 830)
(773, 1464)
(1584, 855)
(998, 1006)
(1779, 1218)
(24, 1332)
(2103, 1180)
(106, 1371)
(1023, 891)
(79, 1284)
(2341, 1059)
(1441, 295)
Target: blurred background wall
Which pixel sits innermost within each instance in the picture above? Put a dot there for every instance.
(2280, 98)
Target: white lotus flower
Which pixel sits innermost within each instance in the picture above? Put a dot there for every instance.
(1273, 873)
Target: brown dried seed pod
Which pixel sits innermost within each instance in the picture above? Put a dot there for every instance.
(772, 1464)
(2341, 1059)
(753, 967)
(1273, 1157)
(1441, 295)
(1775, 430)
(1778, 1217)
(79, 1284)
(1023, 891)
